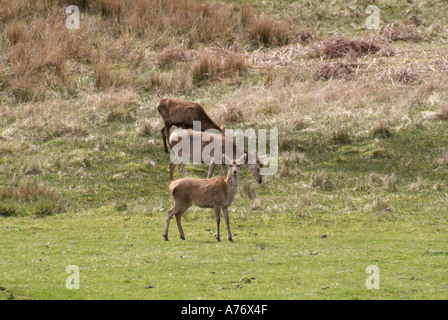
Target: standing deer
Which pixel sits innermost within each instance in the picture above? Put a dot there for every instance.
(181, 113)
(227, 146)
(217, 193)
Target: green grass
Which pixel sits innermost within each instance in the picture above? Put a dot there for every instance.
(81, 187)
(111, 229)
(283, 258)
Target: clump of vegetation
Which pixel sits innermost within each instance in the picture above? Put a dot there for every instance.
(170, 56)
(30, 198)
(378, 204)
(7, 211)
(395, 32)
(419, 185)
(342, 47)
(121, 206)
(387, 182)
(232, 114)
(341, 135)
(333, 70)
(321, 179)
(442, 113)
(442, 160)
(403, 75)
(381, 129)
(248, 190)
(218, 65)
(300, 123)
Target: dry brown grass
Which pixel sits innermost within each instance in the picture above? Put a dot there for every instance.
(38, 51)
(206, 22)
(403, 75)
(420, 184)
(148, 127)
(178, 48)
(29, 191)
(378, 204)
(442, 113)
(38, 122)
(394, 32)
(333, 70)
(105, 78)
(381, 129)
(342, 47)
(170, 56)
(43, 57)
(265, 31)
(116, 105)
(341, 135)
(300, 123)
(322, 180)
(387, 182)
(442, 160)
(220, 64)
(232, 114)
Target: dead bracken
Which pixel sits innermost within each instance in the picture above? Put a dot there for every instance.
(341, 47)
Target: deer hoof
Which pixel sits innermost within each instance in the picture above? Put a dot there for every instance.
(165, 237)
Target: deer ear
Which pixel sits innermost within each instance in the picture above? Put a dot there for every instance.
(226, 159)
(264, 160)
(241, 159)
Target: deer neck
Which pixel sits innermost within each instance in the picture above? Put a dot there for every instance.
(232, 183)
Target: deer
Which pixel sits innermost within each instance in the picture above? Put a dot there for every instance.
(217, 193)
(228, 146)
(181, 113)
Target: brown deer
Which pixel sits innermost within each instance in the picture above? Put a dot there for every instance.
(227, 146)
(217, 193)
(181, 113)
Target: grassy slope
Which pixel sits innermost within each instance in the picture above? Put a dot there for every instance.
(115, 201)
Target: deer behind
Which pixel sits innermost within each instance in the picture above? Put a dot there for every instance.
(217, 193)
(227, 146)
(181, 113)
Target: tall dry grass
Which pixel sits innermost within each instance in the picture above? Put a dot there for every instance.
(158, 48)
(219, 65)
(43, 57)
(369, 107)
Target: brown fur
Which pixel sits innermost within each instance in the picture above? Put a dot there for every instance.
(204, 193)
(253, 168)
(181, 113)
(217, 193)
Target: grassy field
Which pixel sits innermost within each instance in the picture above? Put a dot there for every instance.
(363, 152)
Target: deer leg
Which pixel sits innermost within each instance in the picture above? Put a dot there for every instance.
(172, 167)
(218, 220)
(167, 223)
(174, 210)
(179, 224)
(165, 148)
(180, 169)
(211, 168)
(167, 135)
(225, 213)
